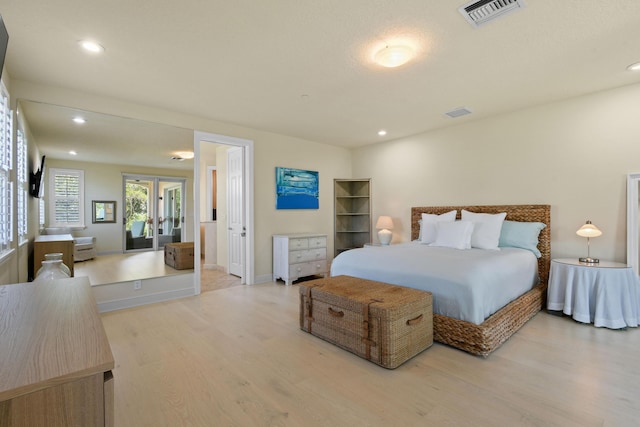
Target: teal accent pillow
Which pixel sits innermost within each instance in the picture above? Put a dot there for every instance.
(515, 234)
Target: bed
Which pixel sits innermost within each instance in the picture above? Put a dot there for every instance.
(478, 333)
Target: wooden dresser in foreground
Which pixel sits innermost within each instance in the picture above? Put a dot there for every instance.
(47, 244)
(55, 359)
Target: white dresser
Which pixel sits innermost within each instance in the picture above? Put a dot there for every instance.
(299, 255)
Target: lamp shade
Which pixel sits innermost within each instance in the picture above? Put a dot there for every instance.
(384, 222)
(589, 230)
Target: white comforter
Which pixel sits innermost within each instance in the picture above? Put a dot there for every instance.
(466, 284)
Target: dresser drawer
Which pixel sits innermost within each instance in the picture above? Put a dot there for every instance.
(307, 255)
(307, 269)
(317, 242)
(295, 244)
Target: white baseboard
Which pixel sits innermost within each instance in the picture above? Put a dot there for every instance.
(264, 278)
(144, 299)
(120, 252)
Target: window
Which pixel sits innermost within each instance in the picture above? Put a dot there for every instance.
(66, 198)
(41, 213)
(22, 187)
(6, 186)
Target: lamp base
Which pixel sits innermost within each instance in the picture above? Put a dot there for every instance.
(384, 236)
(589, 260)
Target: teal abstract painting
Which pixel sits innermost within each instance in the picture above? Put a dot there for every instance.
(296, 189)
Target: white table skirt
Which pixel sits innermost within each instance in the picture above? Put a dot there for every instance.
(608, 297)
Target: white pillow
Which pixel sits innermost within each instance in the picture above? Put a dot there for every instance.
(455, 235)
(486, 229)
(428, 225)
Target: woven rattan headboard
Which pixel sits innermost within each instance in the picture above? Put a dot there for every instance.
(525, 213)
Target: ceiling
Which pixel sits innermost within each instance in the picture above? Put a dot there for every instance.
(305, 68)
(106, 139)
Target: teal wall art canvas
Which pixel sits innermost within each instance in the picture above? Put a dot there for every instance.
(296, 189)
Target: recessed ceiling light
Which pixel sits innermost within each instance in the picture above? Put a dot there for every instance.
(79, 120)
(73, 153)
(382, 132)
(91, 46)
(393, 56)
(634, 67)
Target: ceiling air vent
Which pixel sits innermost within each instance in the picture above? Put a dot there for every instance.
(462, 111)
(482, 11)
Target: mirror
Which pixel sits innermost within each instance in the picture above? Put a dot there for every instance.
(633, 238)
(107, 145)
(106, 139)
(103, 211)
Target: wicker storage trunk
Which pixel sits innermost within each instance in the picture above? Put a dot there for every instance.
(179, 255)
(382, 323)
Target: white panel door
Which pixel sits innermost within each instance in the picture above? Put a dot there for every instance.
(235, 205)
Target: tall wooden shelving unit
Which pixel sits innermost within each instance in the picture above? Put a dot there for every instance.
(352, 209)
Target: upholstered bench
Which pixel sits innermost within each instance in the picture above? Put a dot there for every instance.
(383, 323)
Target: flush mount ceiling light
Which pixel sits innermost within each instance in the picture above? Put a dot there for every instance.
(91, 46)
(634, 67)
(393, 56)
(382, 132)
(79, 120)
(73, 153)
(183, 155)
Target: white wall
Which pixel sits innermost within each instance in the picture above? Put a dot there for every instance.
(104, 182)
(573, 155)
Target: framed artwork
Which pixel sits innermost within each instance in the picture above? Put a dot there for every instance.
(296, 189)
(103, 211)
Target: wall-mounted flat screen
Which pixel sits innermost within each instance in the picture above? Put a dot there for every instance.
(4, 41)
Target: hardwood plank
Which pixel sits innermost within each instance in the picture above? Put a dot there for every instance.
(236, 356)
(125, 267)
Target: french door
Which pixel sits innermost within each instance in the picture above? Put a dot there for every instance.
(153, 211)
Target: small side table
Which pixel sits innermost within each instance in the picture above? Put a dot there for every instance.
(606, 294)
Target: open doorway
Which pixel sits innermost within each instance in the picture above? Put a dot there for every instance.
(233, 204)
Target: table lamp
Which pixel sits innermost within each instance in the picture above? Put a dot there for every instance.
(589, 230)
(384, 224)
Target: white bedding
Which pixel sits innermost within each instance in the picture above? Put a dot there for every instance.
(466, 284)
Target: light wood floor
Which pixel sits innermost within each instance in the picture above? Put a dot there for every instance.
(144, 265)
(125, 267)
(236, 357)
